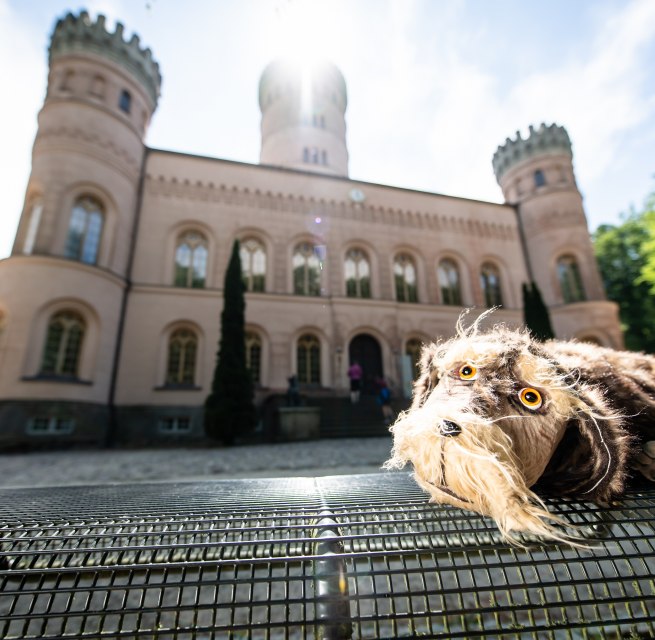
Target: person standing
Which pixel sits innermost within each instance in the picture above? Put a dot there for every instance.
(355, 373)
(384, 400)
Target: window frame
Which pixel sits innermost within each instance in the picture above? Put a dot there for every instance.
(405, 291)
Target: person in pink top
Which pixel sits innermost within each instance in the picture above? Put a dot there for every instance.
(355, 374)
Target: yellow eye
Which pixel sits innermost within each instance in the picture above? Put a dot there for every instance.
(530, 398)
(468, 372)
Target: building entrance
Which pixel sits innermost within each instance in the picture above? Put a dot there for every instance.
(366, 350)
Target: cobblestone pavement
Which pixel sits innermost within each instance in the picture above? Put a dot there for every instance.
(315, 458)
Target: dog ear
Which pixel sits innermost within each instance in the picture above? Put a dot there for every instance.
(428, 377)
(590, 460)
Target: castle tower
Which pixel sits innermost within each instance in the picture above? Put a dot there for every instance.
(63, 287)
(303, 118)
(536, 176)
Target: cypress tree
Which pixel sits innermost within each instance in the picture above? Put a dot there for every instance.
(229, 408)
(535, 313)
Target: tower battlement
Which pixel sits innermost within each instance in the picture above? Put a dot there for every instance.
(81, 34)
(545, 139)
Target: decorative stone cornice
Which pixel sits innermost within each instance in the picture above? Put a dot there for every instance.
(547, 138)
(74, 34)
(237, 196)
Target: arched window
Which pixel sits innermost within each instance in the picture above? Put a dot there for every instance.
(63, 344)
(254, 355)
(404, 272)
(125, 101)
(33, 227)
(191, 260)
(413, 350)
(539, 178)
(358, 274)
(449, 282)
(570, 281)
(309, 359)
(84, 230)
(182, 349)
(490, 281)
(253, 264)
(306, 270)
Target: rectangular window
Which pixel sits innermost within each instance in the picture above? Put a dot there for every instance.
(50, 426)
(178, 424)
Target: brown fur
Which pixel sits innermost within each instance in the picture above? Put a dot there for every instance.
(597, 412)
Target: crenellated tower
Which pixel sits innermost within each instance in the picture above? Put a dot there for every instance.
(537, 177)
(303, 117)
(72, 250)
(102, 91)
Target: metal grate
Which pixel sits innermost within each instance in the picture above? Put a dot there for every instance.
(349, 556)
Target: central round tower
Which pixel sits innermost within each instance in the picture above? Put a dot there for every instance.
(303, 117)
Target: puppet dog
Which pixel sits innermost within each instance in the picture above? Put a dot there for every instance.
(497, 417)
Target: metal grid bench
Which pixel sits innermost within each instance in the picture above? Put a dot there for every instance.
(346, 556)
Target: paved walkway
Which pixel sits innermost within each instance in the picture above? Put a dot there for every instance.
(315, 458)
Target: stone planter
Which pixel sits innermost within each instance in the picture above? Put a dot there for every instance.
(299, 423)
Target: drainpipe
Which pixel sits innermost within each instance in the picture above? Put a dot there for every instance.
(113, 418)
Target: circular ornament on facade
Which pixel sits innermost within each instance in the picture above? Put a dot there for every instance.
(357, 195)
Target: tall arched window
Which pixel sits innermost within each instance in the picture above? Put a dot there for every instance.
(413, 350)
(63, 344)
(306, 270)
(309, 359)
(84, 230)
(490, 281)
(125, 101)
(539, 178)
(182, 349)
(254, 355)
(191, 260)
(570, 280)
(358, 274)
(253, 264)
(449, 282)
(404, 272)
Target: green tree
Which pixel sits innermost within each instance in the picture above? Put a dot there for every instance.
(621, 251)
(229, 408)
(648, 216)
(535, 313)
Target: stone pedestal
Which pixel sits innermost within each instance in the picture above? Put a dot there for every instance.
(299, 423)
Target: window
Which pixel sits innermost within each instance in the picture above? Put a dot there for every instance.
(182, 349)
(306, 270)
(539, 178)
(172, 426)
(253, 264)
(97, 87)
(490, 281)
(191, 260)
(63, 344)
(125, 101)
(413, 350)
(449, 282)
(405, 277)
(570, 280)
(305, 154)
(32, 228)
(324, 157)
(50, 426)
(358, 274)
(84, 231)
(309, 359)
(254, 355)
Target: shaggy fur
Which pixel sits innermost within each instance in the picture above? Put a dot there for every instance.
(476, 445)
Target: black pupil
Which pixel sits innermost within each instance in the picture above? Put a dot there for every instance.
(467, 371)
(531, 397)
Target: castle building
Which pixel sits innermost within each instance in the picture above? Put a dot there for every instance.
(110, 301)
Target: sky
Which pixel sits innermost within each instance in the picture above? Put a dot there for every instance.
(434, 86)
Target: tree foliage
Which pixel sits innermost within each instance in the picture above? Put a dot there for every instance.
(535, 313)
(229, 408)
(626, 258)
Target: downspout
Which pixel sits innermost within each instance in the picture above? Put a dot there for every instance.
(113, 418)
(524, 246)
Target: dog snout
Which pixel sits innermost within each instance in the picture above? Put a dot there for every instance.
(449, 429)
